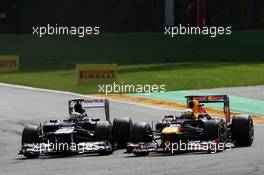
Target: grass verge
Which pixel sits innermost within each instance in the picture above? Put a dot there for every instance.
(176, 76)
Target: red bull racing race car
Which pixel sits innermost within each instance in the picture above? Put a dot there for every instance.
(194, 130)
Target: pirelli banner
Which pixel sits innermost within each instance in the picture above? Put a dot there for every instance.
(9, 63)
(87, 74)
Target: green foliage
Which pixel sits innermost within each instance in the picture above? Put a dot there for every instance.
(176, 76)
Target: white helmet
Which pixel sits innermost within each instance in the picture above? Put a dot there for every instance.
(75, 116)
(187, 112)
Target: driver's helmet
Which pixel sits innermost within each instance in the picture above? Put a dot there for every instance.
(187, 112)
(78, 108)
(75, 116)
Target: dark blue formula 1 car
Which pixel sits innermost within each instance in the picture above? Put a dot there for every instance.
(78, 134)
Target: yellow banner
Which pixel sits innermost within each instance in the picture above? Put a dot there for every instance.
(95, 73)
(9, 63)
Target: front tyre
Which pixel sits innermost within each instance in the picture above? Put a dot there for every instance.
(103, 132)
(30, 135)
(141, 132)
(211, 130)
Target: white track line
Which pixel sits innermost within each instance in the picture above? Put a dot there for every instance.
(80, 95)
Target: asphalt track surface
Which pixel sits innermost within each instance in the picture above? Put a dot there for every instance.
(21, 107)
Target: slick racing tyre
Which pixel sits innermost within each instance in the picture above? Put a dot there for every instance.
(30, 135)
(141, 132)
(242, 130)
(211, 130)
(121, 131)
(214, 132)
(103, 131)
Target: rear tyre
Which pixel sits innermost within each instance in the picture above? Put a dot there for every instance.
(242, 130)
(121, 131)
(141, 132)
(30, 135)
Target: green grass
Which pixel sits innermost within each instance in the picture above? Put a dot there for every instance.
(176, 76)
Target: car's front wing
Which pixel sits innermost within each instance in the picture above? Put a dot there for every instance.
(80, 148)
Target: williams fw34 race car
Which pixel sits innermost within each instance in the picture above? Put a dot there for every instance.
(193, 130)
(77, 134)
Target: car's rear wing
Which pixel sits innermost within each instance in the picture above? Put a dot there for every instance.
(212, 99)
(208, 98)
(90, 103)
